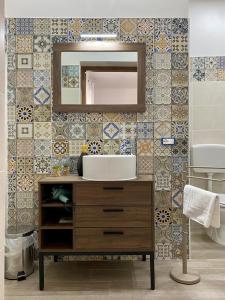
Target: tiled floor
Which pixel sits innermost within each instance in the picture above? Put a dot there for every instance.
(202, 246)
(125, 280)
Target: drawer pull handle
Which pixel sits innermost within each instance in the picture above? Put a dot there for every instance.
(113, 210)
(113, 188)
(112, 232)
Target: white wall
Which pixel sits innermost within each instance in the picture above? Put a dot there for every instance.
(207, 112)
(96, 8)
(207, 27)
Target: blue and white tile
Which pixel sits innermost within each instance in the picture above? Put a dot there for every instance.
(111, 130)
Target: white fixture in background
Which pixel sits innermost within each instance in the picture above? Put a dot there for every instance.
(109, 167)
(211, 157)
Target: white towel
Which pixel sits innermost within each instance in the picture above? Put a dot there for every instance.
(201, 206)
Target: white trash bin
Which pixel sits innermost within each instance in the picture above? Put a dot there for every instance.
(19, 253)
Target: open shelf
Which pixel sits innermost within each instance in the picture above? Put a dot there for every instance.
(58, 239)
(47, 198)
(57, 216)
(52, 203)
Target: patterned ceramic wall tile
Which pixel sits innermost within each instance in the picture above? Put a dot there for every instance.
(128, 146)
(42, 26)
(145, 130)
(95, 146)
(94, 131)
(111, 147)
(162, 95)
(25, 148)
(145, 165)
(162, 112)
(42, 165)
(25, 200)
(162, 60)
(60, 148)
(24, 78)
(24, 183)
(111, 25)
(145, 27)
(91, 25)
(42, 148)
(24, 131)
(75, 147)
(42, 113)
(42, 95)
(60, 130)
(42, 61)
(24, 96)
(128, 30)
(111, 130)
(163, 43)
(207, 68)
(25, 216)
(145, 147)
(74, 28)
(24, 26)
(24, 43)
(42, 43)
(77, 131)
(42, 130)
(38, 138)
(59, 26)
(11, 61)
(24, 61)
(180, 43)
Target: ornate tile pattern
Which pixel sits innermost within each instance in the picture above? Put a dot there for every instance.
(24, 44)
(207, 68)
(94, 131)
(39, 138)
(111, 147)
(95, 146)
(42, 61)
(24, 131)
(41, 95)
(24, 26)
(42, 43)
(42, 130)
(75, 147)
(24, 61)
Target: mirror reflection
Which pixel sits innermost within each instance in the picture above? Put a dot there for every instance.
(99, 78)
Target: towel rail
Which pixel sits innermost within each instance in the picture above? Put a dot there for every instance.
(205, 178)
(205, 167)
(184, 276)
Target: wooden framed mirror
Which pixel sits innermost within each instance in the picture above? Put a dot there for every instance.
(99, 76)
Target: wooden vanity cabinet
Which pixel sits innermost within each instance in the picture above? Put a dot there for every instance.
(101, 218)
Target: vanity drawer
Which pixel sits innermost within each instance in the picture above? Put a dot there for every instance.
(113, 193)
(113, 239)
(112, 216)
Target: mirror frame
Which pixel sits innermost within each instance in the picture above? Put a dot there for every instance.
(98, 46)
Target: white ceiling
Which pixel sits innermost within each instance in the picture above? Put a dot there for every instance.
(96, 8)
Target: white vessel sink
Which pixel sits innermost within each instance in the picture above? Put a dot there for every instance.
(109, 167)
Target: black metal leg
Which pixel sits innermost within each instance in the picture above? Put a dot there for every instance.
(41, 271)
(152, 270)
(143, 257)
(55, 258)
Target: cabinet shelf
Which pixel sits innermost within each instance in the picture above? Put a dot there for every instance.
(59, 226)
(57, 238)
(55, 204)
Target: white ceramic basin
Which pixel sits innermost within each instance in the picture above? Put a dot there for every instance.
(109, 167)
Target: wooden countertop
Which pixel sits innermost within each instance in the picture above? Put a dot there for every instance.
(75, 178)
